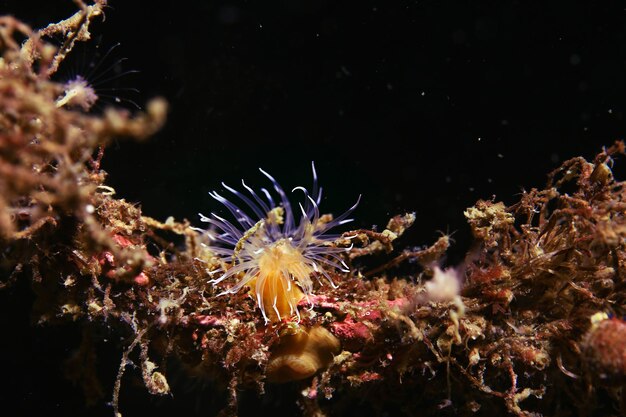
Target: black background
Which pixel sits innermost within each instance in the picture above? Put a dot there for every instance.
(421, 106)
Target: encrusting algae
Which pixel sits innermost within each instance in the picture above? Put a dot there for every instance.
(531, 322)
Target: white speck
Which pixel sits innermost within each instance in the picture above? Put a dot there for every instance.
(423, 93)
(479, 138)
(260, 26)
(90, 209)
(610, 111)
(500, 156)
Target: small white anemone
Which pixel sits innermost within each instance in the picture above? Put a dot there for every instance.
(84, 91)
(77, 93)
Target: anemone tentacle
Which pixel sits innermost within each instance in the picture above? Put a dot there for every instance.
(276, 255)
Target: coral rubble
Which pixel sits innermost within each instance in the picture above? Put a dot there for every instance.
(530, 323)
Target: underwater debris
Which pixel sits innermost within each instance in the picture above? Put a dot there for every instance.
(509, 331)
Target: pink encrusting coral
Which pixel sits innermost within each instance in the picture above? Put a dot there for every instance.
(275, 254)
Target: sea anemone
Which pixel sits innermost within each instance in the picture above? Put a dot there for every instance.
(78, 93)
(84, 91)
(270, 252)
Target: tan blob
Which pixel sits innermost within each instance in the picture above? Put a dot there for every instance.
(301, 355)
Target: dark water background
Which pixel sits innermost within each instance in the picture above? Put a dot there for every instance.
(421, 106)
